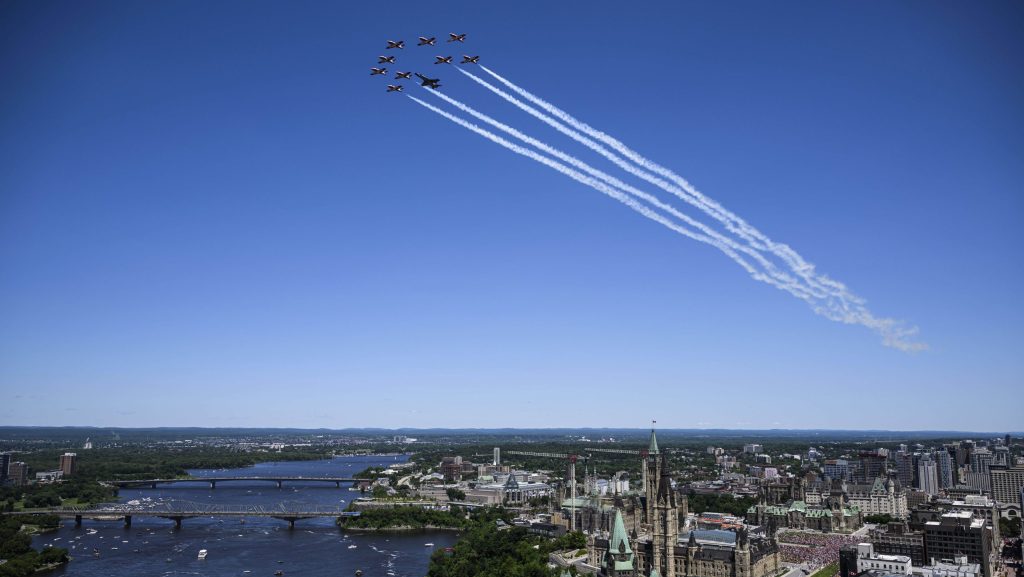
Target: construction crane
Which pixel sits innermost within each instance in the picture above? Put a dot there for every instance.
(623, 451)
(572, 476)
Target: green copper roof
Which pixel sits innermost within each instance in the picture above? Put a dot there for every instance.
(619, 536)
(653, 448)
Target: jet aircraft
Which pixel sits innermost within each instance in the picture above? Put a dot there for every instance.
(443, 59)
(429, 82)
(453, 37)
(385, 59)
(396, 43)
(375, 71)
(393, 88)
(469, 59)
(426, 41)
(399, 75)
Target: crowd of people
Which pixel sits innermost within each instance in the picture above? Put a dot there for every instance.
(813, 549)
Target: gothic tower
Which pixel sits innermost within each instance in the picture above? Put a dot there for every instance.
(665, 523)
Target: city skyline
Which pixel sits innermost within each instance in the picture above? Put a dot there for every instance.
(214, 216)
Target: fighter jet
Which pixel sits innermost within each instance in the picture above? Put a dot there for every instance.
(453, 37)
(426, 41)
(443, 59)
(393, 88)
(375, 71)
(429, 82)
(396, 43)
(399, 75)
(469, 59)
(385, 59)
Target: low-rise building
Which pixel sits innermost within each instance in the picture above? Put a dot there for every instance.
(868, 559)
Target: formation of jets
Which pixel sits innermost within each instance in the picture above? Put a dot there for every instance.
(434, 83)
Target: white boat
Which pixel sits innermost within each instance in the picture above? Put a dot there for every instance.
(428, 544)
(352, 546)
(202, 553)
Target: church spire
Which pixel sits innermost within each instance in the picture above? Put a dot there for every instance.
(653, 447)
(619, 541)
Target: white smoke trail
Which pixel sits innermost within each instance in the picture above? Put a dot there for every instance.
(593, 183)
(839, 303)
(823, 290)
(732, 221)
(781, 280)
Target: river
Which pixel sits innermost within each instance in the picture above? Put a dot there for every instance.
(259, 546)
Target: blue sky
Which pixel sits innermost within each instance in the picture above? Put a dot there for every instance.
(210, 214)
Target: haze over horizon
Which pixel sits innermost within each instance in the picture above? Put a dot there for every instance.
(212, 215)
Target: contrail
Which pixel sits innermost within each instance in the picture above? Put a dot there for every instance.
(782, 280)
(732, 221)
(591, 182)
(840, 305)
(807, 274)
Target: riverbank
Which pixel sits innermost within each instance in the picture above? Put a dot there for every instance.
(400, 529)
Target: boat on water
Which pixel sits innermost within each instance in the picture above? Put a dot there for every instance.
(352, 546)
(202, 553)
(428, 544)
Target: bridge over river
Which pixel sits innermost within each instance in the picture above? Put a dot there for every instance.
(152, 483)
(181, 510)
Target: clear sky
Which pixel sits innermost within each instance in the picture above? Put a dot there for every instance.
(211, 214)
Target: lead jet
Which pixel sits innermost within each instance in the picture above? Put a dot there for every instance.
(396, 43)
(375, 71)
(385, 59)
(393, 88)
(400, 75)
(443, 59)
(469, 59)
(453, 37)
(426, 41)
(429, 82)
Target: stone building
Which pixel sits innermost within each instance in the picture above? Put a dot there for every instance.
(655, 550)
(880, 497)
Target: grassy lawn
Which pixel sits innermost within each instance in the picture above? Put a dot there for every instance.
(827, 571)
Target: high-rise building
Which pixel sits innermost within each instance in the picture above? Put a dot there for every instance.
(947, 474)
(906, 468)
(1001, 456)
(981, 458)
(17, 473)
(838, 469)
(5, 461)
(69, 463)
(1006, 482)
(896, 538)
(928, 475)
(872, 466)
(497, 456)
(959, 533)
